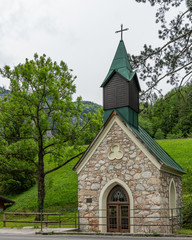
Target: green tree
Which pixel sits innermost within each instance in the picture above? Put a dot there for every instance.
(39, 119)
(145, 123)
(172, 113)
(95, 121)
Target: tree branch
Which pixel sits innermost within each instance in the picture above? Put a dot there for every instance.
(167, 74)
(164, 46)
(56, 168)
(18, 155)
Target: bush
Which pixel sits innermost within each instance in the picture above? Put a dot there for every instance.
(174, 136)
(189, 135)
(13, 184)
(187, 211)
(159, 134)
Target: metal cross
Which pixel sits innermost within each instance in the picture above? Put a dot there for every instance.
(121, 31)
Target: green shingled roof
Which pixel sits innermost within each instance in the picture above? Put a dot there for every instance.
(120, 64)
(156, 149)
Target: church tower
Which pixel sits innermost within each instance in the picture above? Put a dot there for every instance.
(121, 88)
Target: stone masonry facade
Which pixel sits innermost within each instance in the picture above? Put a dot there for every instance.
(149, 186)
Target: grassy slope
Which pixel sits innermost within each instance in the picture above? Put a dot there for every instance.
(61, 186)
(61, 192)
(180, 150)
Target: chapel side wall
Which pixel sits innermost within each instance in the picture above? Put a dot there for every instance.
(166, 179)
(141, 176)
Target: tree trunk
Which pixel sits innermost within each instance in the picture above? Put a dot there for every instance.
(41, 192)
(40, 185)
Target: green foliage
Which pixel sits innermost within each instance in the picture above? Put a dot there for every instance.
(174, 136)
(187, 211)
(159, 134)
(16, 174)
(16, 183)
(39, 119)
(89, 107)
(95, 122)
(171, 61)
(172, 114)
(146, 124)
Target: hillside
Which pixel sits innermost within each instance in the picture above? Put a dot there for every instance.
(87, 106)
(169, 116)
(61, 191)
(61, 186)
(181, 151)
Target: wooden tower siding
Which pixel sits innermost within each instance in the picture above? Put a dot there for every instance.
(118, 92)
(115, 93)
(134, 94)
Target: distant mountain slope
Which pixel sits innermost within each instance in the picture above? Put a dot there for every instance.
(87, 107)
(90, 107)
(3, 92)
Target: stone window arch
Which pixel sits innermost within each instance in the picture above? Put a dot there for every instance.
(172, 198)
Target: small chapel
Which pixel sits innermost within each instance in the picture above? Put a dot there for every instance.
(126, 181)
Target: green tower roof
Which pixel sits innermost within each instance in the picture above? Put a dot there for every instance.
(120, 64)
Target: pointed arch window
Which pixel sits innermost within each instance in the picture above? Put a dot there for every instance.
(118, 195)
(172, 198)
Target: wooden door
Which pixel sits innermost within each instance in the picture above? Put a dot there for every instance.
(118, 211)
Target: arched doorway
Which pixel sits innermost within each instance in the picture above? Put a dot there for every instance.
(118, 210)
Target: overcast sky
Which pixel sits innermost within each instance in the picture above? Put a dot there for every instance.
(79, 32)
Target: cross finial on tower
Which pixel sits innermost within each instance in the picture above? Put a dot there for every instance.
(121, 31)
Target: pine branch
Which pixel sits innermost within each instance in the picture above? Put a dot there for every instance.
(166, 75)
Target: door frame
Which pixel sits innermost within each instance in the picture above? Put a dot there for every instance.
(118, 206)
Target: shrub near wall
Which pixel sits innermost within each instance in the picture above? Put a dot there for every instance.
(187, 211)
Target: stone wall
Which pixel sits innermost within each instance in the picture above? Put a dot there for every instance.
(118, 157)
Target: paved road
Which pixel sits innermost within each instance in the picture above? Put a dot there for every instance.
(73, 237)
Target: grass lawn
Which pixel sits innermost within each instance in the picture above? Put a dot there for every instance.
(184, 231)
(180, 150)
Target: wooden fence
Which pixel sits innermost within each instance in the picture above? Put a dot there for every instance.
(63, 218)
(43, 218)
(72, 218)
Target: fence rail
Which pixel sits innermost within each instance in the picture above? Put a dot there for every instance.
(92, 220)
(39, 219)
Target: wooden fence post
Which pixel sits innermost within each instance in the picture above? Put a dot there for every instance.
(46, 220)
(180, 213)
(78, 220)
(60, 220)
(41, 218)
(75, 218)
(4, 219)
